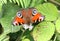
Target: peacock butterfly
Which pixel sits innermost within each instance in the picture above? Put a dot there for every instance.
(26, 17)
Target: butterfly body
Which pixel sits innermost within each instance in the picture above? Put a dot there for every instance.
(27, 17)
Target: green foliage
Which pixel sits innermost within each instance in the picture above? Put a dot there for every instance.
(58, 1)
(8, 15)
(36, 2)
(58, 37)
(58, 25)
(0, 9)
(49, 10)
(25, 3)
(41, 32)
(4, 37)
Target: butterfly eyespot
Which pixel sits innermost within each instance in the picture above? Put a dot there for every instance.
(19, 14)
(34, 12)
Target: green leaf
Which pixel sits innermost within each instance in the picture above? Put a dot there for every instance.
(58, 37)
(8, 15)
(10, 1)
(36, 2)
(4, 37)
(1, 9)
(5, 1)
(22, 3)
(18, 2)
(25, 40)
(27, 36)
(33, 3)
(58, 1)
(42, 32)
(58, 25)
(26, 3)
(14, 1)
(48, 10)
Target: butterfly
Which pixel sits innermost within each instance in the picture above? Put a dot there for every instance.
(26, 17)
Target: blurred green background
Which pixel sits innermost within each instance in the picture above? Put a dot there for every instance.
(47, 30)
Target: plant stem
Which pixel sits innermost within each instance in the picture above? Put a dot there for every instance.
(19, 37)
(55, 37)
(55, 2)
